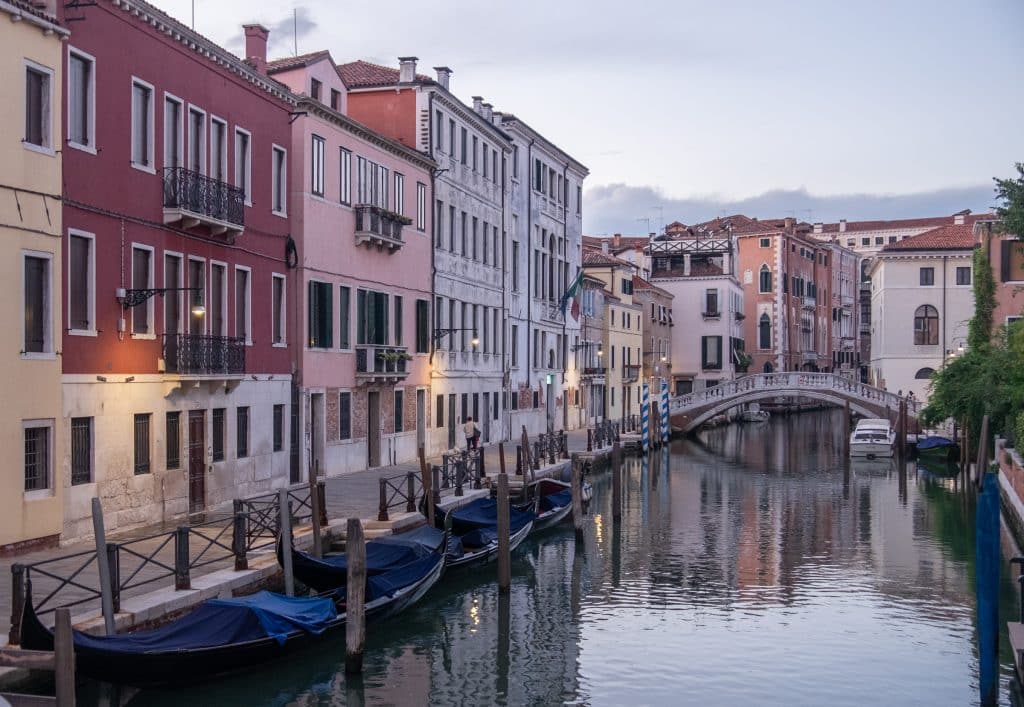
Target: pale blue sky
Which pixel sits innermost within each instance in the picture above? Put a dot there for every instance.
(700, 107)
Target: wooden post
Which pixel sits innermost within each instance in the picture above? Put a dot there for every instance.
(479, 469)
(355, 595)
(17, 602)
(114, 567)
(577, 497)
(616, 487)
(284, 509)
(106, 591)
(410, 492)
(982, 463)
(460, 471)
(846, 429)
(382, 502)
(182, 578)
(64, 658)
(238, 539)
(519, 460)
(504, 558)
(590, 439)
(435, 475)
(314, 505)
(428, 484)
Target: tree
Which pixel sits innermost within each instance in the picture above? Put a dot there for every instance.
(1011, 193)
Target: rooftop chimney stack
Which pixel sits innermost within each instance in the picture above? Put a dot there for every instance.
(842, 225)
(819, 227)
(444, 77)
(789, 222)
(488, 112)
(407, 69)
(477, 104)
(960, 217)
(604, 246)
(616, 239)
(256, 47)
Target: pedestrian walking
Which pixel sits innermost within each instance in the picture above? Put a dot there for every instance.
(472, 433)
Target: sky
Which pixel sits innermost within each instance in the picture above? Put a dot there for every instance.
(686, 110)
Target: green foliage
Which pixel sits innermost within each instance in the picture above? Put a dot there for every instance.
(1018, 432)
(979, 330)
(1011, 193)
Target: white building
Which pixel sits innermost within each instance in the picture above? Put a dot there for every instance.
(921, 302)
(543, 256)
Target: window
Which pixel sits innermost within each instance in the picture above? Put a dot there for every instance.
(879, 240)
(451, 138)
(81, 282)
(196, 140)
(142, 125)
(963, 275)
(37, 455)
(243, 299)
(278, 428)
(764, 332)
(141, 437)
(865, 241)
(475, 151)
(766, 243)
(216, 309)
(422, 326)
(439, 411)
(372, 183)
(579, 201)
(335, 99)
(173, 439)
(515, 345)
(345, 327)
(927, 277)
(765, 280)
(218, 434)
(346, 176)
(476, 224)
(1011, 260)
(219, 149)
(142, 279)
(926, 326)
(317, 159)
(277, 307)
(421, 206)
(81, 99)
(399, 405)
(711, 302)
(315, 89)
(400, 194)
(515, 266)
(924, 373)
(451, 228)
(197, 279)
(279, 176)
(485, 155)
(438, 223)
(371, 318)
(242, 432)
(627, 286)
(398, 320)
(344, 415)
(320, 315)
(495, 174)
(81, 450)
(711, 352)
(243, 163)
(438, 133)
(465, 242)
(892, 239)
(462, 143)
(173, 133)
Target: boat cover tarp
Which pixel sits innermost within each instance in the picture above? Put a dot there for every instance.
(483, 513)
(380, 556)
(219, 622)
(555, 500)
(386, 584)
(934, 442)
(425, 537)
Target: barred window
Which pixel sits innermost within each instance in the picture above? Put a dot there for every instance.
(173, 440)
(81, 450)
(142, 465)
(278, 428)
(37, 458)
(242, 418)
(218, 434)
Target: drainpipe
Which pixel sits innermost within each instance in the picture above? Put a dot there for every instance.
(506, 376)
(944, 259)
(529, 251)
(433, 234)
(565, 239)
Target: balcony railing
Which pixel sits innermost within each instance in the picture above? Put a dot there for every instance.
(198, 354)
(380, 227)
(809, 356)
(630, 372)
(714, 314)
(198, 200)
(847, 301)
(594, 370)
(808, 302)
(381, 363)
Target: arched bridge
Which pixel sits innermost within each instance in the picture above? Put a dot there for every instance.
(689, 411)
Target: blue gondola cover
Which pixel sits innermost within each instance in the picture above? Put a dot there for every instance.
(934, 442)
(381, 556)
(483, 513)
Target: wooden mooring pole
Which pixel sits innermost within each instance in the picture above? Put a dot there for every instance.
(428, 483)
(355, 595)
(103, 565)
(284, 510)
(846, 429)
(616, 465)
(504, 557)
(64, 658)
(577, 497)
(314, 506)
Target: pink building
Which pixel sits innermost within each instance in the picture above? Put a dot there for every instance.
(363, 285)
(176, 369)
(1006, 256)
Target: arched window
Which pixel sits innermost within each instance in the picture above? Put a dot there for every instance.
(764, 332)
(924, 373)
(926, 326)
(765, 279)
(768, 368)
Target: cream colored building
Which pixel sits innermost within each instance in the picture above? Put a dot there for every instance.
(32, 483)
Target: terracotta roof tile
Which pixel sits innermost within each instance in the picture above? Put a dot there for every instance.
(944, 238)
(363, 74)
(898, 224)
(294, 62)
(595, 257)
(33, 9)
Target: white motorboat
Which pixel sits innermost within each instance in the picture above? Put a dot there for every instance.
(872, 438)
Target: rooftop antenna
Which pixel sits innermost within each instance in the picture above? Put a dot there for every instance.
(810, 215)
(193, 15)
(295, 28)
(647, 220)
(661, 216)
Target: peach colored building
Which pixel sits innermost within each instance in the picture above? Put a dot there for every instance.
(360, 310)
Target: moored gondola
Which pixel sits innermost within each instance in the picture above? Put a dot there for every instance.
(551, 501)
(474, 531)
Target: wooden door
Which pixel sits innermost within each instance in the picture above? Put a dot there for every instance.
(196, 460)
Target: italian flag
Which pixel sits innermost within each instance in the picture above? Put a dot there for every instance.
(571, 294)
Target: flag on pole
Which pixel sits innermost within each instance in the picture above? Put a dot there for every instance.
(571, 292)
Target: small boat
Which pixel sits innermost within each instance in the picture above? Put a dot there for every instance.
(223, 636)
(474, 531)
(871, 438)
(937, 448)
(754, 413)
(551, 501)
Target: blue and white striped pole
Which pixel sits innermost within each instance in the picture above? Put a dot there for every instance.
(664, 411)
(645, 433)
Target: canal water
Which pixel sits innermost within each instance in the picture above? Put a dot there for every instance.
(752, 566)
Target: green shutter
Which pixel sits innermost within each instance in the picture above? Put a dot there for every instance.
(313, 315)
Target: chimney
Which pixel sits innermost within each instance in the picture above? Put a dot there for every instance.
(256, 47)
(488, 112)
(842, 225)
(616, 239)
(960, 217)
(444, 76)
(604, 246)
(478, 102)
(406, 69)
(789, 222)
(819, 227)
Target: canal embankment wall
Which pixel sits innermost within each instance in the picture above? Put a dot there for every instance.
(1011, 488)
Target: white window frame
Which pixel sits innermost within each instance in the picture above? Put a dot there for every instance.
(245, 184)
(48, 491)
(208, 300)
(151, 282)
(248, 302)
(90, 282)
(204, 160)
(421, 209)
(90, 101)
(345, 167)
(284, 310)
(399, 193)
(318, 165)
(183, 113)
(151, 167)
(223, 148)
(47, 108)
(278, 182)
(184, 307)
(48, 354)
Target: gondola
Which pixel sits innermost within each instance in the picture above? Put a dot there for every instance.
(223, 636)
(474, 531)
(936, 448)
(551, 501)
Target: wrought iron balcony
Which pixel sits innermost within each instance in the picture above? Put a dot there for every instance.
(377, 364)
(197, 354)
(380, 227)
(716, 314)
(630, 372)
(594, 370)
(197, 200)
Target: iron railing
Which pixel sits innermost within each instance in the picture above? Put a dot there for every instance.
(203, 197)
(382, 360)
(594, 370)
(375, 221)
(398, 491)
(630, 372)
(197, 353)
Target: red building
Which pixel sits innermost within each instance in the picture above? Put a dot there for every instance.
(176, 363)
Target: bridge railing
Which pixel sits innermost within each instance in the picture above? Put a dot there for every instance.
(790, 381)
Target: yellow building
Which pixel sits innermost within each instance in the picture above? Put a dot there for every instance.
(623, 332)
(31, 483)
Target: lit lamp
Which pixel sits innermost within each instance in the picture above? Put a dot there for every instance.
(441, 333)
(134, 297)
(198, 308)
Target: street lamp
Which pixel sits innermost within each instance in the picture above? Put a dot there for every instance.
(441, 333)
(134, 297)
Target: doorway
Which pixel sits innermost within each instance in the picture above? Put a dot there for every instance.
(316, 432)
(550, 406)
(372, 429)
(451, 421)
(421, 419)
(196, 460)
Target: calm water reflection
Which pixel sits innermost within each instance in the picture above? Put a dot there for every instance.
(753, 568)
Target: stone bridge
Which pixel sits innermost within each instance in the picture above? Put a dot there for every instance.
(688, 412)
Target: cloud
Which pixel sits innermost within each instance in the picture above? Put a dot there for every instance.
(620, 208)
(284, 32)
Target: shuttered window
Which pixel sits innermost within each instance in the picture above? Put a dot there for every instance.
(320, 315)
(344, 415)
